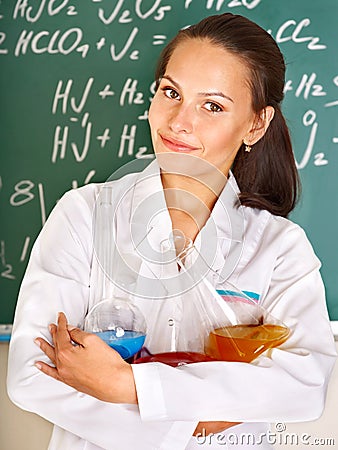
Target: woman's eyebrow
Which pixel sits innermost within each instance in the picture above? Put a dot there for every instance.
(201, 94)
(215, 94)
(168, 77)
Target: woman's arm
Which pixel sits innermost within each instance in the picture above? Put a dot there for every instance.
(93, 368)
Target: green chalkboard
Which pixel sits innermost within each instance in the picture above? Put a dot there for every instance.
(76, 79)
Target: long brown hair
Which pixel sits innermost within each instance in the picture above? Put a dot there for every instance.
(267, 176)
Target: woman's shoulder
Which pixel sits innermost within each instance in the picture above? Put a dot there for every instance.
(287, 227)
(272, 223)
(284, 234)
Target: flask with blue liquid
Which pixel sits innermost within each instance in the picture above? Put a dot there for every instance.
(119, 323)
(115, 318)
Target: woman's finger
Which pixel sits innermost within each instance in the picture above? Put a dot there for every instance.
(80, 337)
(62, 335)
(48, 370)
(47, 349)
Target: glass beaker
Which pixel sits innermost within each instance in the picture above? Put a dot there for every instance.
(115, 318)
(251, 330)
(119, 323)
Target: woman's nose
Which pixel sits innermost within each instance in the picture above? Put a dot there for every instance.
(181, 120)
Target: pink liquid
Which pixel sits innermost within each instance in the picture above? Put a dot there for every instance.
(175, 359)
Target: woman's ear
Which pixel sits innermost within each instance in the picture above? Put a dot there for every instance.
(260, 126)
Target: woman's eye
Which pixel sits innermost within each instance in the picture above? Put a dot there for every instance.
(171, 93)
(213, 107)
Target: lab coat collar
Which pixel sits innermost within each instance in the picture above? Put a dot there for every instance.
(226, 226)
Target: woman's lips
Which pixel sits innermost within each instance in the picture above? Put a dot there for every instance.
(177, 146)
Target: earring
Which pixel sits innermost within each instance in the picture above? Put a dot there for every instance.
(248, 148)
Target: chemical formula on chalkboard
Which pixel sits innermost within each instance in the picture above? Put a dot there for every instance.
(126, 96)
(76, 82)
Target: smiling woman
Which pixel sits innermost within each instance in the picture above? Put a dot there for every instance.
(225, 179)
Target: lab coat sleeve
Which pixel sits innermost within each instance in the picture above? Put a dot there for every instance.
(288, 383)
(57, 279)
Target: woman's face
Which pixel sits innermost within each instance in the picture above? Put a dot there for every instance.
(203, 104)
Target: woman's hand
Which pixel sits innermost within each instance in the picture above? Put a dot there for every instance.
(89, 366)
(206, 428)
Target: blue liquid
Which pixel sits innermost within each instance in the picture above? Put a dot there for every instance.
(127, 345)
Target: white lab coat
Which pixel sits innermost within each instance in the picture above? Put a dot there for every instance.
(269, 256)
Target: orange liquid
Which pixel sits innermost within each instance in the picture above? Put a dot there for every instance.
(244, 342)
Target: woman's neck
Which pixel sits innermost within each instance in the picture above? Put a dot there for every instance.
(190, 200)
